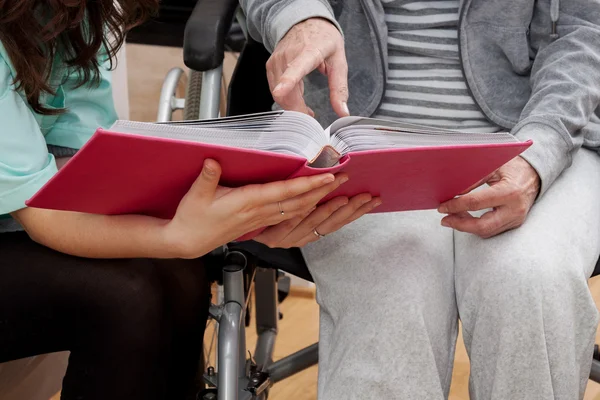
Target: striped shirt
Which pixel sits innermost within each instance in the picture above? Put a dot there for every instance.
(425, 82)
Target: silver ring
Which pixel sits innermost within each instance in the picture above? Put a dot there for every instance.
(280, 208)
(317, 234)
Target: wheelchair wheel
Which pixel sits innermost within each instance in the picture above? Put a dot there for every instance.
(193, 95)
(208, 359)
(210, 344)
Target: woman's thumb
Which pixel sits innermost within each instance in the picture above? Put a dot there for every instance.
(207, 182)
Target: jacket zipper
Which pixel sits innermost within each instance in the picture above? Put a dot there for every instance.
(374, 29)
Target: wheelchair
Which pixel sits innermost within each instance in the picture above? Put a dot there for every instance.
(237, 267)
(209, 31)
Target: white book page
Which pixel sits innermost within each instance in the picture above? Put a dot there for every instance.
(352, 134)
(357, 121)
(285, 132)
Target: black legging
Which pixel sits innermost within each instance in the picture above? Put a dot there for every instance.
(134, 327)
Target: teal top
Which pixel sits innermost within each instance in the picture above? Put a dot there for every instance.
(26, 138)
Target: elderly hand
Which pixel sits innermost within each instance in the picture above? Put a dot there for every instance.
(325, 219)
(314, 43)
(512, 192)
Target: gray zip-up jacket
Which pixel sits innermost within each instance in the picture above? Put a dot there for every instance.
(533, 66)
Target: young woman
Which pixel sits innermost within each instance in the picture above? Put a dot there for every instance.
(126, 295)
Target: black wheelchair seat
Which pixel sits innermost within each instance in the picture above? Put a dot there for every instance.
(596, 268)
(287, 260)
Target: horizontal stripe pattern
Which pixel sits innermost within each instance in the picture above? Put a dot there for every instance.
(425, 82)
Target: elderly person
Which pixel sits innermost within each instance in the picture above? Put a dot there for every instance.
(127, 295)
(510, 259)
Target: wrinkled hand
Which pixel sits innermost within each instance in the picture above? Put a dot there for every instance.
(311, 44)
(325, 219)
(512, 192)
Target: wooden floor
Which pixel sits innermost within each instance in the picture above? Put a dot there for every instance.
(300, 322)
(299, 328)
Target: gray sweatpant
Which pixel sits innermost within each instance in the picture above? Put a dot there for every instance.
(391, 288)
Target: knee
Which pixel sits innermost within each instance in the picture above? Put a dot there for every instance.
(521, 284)
(139, 295)
(125, 300)
(545, 272)
(185, 282)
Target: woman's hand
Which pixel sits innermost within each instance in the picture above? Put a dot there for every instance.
(209, 215)
(324, 220)
(512, 192)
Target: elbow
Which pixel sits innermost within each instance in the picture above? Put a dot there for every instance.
(35, 237)
(33, 234)
(28, 222)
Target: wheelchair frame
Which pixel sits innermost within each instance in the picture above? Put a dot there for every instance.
(235, 377)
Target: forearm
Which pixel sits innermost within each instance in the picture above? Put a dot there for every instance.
(98, 236)
(60, 162)
(269, 20)
(564, 89)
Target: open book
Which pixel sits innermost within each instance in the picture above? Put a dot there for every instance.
(293, 133)
(146, 168)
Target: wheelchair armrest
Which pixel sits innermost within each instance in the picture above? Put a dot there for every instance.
(287, 260)
(205, 33)
(596, 268)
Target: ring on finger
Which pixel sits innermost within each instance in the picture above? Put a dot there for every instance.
(317, 234)
(280, 208)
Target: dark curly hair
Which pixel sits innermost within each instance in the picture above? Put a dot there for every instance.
(34, 31)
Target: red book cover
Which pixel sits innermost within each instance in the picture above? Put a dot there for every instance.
(118, 173)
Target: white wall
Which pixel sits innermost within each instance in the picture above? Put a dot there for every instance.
(120, 87)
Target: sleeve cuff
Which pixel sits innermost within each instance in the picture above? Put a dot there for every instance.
(62, 136)
(60, 151)
(293, 14)
(25, 187)
(550, 153)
